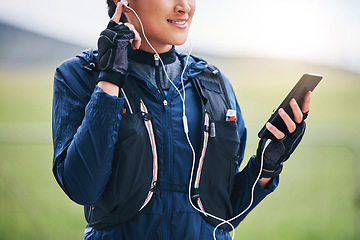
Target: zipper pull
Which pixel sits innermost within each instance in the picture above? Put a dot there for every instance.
(212, 130)
(156, 58)
(90, 67)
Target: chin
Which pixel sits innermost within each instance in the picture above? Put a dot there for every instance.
(179, 43)
(180, 40)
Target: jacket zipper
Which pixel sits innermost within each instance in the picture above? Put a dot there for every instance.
(157, 77)
(167, 176)
(167, 159)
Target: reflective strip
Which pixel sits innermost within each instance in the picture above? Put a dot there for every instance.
(201, 206)
(150, 130)
(203, 151)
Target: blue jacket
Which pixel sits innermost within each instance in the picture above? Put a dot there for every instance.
(86, 124)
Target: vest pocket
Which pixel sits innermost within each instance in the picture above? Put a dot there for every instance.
(134, 175)
(215, 172)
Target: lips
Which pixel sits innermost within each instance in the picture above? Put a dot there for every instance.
(180, 23)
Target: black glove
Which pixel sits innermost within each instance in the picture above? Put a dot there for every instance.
(277, 151)
(113, 54)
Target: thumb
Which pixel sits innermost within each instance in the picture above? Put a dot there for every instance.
(117, 15)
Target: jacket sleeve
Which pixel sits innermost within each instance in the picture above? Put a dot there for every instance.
(85, 123)
(241, 196)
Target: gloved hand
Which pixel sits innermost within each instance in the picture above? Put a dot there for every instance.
(277, 151)
(113, 53)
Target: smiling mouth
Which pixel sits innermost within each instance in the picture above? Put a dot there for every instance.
(182, 22)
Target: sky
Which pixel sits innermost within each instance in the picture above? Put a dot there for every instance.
(318, 31)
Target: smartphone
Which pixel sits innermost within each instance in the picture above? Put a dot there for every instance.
(307, 82)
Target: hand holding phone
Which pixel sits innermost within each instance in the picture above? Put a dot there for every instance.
(307, 83)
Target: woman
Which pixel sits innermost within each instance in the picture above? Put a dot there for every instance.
(136, 140)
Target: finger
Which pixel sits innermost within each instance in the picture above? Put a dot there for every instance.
(291, 126)
(117, 15)
(276, 132)
(306, 105)
(298, 115)
(136, 41)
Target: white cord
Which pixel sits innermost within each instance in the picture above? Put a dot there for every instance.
(162, 63)
(186, 130)
(223, 221)
(252, 189)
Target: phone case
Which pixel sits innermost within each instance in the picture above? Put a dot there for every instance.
(307, 82)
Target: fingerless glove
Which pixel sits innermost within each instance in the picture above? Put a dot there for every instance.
(277, 152)
(113, 54)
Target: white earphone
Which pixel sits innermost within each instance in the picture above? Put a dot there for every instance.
(125, 2)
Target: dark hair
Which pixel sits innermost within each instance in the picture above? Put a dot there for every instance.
(112, 8)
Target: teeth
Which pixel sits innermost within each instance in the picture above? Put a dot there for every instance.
(178, 22)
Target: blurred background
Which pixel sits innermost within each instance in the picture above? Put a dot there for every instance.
(262, 46)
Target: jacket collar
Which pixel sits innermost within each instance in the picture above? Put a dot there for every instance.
(141, 56)
(195, 65)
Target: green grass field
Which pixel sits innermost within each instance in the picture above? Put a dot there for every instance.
(318, 196)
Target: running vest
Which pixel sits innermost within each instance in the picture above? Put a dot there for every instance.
(132, 183)
(216, 161)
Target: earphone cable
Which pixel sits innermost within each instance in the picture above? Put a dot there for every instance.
(186, 130)
(161, 61)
